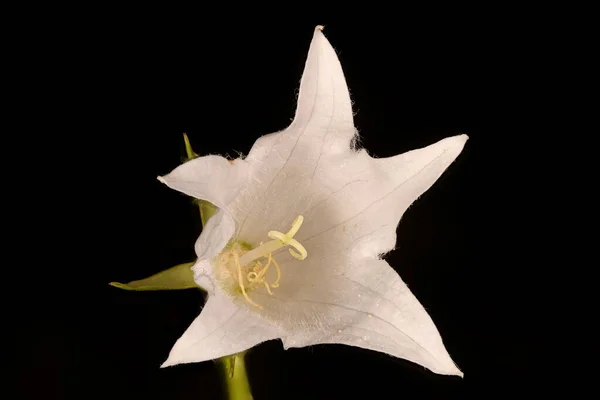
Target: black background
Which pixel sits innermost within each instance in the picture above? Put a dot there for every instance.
(115, 96)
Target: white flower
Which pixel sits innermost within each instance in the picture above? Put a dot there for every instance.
(341, 208)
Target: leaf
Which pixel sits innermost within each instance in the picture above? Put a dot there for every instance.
(177, 277)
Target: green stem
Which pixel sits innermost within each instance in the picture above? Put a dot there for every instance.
(233, 369)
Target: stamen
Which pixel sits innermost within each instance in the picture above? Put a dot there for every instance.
(276, 283)
(258, 272)
(264, 270)
(241, 282)
(268, 288)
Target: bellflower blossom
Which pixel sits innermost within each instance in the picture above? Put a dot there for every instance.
(295, 249)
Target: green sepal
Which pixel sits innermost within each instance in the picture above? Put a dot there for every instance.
(175, 278)
(207, 210)
(188, 149)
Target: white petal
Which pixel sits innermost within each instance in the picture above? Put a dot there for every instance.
(417, 170)
(323, 127)
(324, 117)
(361, 202)
(215, 235)
(323, 100)
(221, 329)
(211, 178)
(369, 307)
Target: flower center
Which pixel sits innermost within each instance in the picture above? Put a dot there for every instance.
(248, 268)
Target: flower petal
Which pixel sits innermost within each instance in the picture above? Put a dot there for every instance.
(414, 172)
(289, 160)
(211, 178)
(323, 100)
(367, 197)
(369, 307)
(221, 329)
(323, 116)
(215, 235)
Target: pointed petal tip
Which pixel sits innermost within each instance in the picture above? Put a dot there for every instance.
(460, 139)
(454, 371)
(161, 179)
(171, 361)
(446, 369)
(319, 27)
(454, 143)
